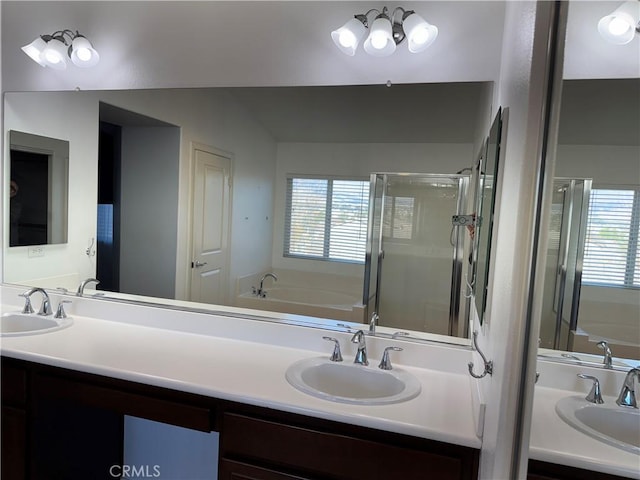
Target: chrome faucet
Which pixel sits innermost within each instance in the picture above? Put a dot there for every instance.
(627, 397)
(608, 360)
(84, 283)
(361, 354)
(45, 307)
(260, 291)
(375, 318)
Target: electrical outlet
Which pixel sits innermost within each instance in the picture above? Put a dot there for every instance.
(35, 252)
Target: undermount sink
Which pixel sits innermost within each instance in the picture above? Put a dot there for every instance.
(609, 423)
(15, 324)
(350, 383)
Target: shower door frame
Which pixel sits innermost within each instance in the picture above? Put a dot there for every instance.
(457, 240)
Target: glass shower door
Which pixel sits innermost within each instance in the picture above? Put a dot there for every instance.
(413, 273)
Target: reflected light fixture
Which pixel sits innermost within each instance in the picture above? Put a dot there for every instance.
(385, 33)
(620, 26)
(57, 49)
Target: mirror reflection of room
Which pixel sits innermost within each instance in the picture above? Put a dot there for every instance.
(37, 190)
(143, 199)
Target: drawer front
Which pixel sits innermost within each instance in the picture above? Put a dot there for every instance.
(14, 385)
(328, 454)
(126, 403)
(230, 470)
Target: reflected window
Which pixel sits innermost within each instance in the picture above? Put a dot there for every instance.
(611, 254)
(326, 219)
(399, 218)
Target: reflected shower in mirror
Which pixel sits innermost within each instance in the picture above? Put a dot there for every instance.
(158, 138)
(38, 178)
(592, 282)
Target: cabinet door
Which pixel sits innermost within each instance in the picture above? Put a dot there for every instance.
(231, 470)
(14, 443)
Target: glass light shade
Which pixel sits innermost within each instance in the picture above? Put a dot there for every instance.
(419, 33)
(82, 53)
(619, 27)
(55, 54)
(35, 49)
(380, 41)
(348, 37)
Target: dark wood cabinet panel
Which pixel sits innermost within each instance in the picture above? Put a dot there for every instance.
(231, 470)
(14, 444)
(327, 454)
(549, 471)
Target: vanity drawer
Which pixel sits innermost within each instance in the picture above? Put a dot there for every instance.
(171, 411)
(314, 451)
(14, 385)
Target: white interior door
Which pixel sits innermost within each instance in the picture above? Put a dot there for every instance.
(210, 227)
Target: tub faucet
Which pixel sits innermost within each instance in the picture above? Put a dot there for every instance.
(361, 354)
(45, 307)
(84, 283)
(608, 361)
(627, 397)
(260, 291)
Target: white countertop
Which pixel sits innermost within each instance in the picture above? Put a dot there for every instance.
(553, 440)
(245, 371)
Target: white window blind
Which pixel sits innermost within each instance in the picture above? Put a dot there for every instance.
(326, 218)
(611, 246)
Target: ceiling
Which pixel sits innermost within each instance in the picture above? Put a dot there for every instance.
(167, 44)
(185, 44)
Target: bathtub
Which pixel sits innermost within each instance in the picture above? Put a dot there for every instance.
(623, 338)
(306, 301)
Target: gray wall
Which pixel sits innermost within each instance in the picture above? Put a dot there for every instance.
(150, 159)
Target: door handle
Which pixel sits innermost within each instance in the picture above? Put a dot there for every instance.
(198, 264)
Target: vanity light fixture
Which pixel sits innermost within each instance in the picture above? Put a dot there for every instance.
(55, 50)
(385, 33)
(620, 26)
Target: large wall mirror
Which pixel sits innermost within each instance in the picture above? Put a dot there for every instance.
(132, 196)
(141, 160)
(38, 171)
(592, 282)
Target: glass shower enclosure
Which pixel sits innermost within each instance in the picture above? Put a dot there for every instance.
(415, 256)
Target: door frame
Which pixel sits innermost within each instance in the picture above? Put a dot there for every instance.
(192, 180)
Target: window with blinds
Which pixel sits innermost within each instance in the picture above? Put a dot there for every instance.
(326, 218)
(611, 254)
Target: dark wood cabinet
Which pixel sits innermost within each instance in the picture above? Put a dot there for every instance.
(550, 471)
(59, 423)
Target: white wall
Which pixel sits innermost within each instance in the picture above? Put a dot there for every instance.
(210, 117)
(503, 335)
(355, 160)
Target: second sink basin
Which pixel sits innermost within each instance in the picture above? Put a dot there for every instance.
(609, 423)
(14, 324)
(350, 383)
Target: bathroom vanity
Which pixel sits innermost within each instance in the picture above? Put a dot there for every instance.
(65, 395)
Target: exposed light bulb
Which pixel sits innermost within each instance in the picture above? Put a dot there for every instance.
(378, 40)
(618, 26)
(420, 36)
(347, 39)
(84, 54)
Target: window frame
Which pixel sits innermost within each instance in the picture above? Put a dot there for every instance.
(633, 242)
(327, 221)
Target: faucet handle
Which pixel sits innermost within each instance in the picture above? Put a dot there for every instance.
(336, 356)
(60, 313)
(385, 363)
(27, 303)
(595, 395)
